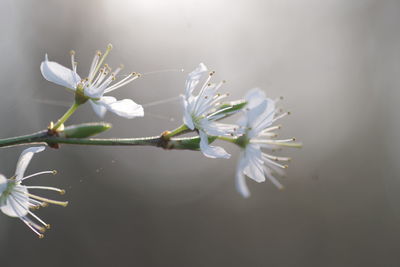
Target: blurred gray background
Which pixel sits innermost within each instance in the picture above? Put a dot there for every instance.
(337, 63)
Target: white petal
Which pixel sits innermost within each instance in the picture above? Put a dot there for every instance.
(3, 183)
(56, 73)
(254, 97)
(211, 151)
(99, 109)
(94, 91)
(193, 79)
(125, 108)
(13, 208)
(254, 164)
(24, 160)
(241, 185)
(216, 128)
(187, 118)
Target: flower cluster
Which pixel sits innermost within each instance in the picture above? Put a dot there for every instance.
(203, 109)
(254, 130)
(17, 201)
(95, 85)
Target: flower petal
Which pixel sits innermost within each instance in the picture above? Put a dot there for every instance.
(253, 166)
(126, 108)
(24, 160)
(17, 204)
(58, 74)
(3, 184)
(241, 185)
(216, 128)
(254, 97)
(194, 78)
(99, 109)
(211, 151)
(187, 118)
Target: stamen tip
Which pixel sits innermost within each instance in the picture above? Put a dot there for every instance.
(109, 46)
(62, 192)
(41, 236)
(48, 226)
(54, 172)
(72, 52)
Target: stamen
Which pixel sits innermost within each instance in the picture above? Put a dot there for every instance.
(61, 191)
(133, 76)
(45, 200)
(272, 178)
(109, 48)
(94, 65)
(281, 116)
(37, 174)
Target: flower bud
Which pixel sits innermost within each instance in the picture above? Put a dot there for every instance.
(85, 130)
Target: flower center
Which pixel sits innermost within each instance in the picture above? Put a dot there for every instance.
(5, 190)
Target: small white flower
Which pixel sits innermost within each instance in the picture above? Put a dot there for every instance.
(97, 83)
(257, 123)
(15, 199)
(198, 110)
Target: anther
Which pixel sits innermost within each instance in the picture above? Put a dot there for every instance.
(98, 52)
(109, 46)
(223, 81)
(41, 236)
(48, 226)
(62, 192)
(44, 205)
(54, 172)
(72, 52)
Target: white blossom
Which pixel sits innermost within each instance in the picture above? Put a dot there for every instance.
(198, 108)
(95, 85)
(17, 201)
(258, 126)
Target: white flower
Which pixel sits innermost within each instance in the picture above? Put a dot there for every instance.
(15, 199)
(259, 115)
(198, 110)
(97, 83)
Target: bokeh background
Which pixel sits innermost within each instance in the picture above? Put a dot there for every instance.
(337, 63)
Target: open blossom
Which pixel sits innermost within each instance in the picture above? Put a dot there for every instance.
(17, 201)
(257, 123)
(95, 85)
(198, 111)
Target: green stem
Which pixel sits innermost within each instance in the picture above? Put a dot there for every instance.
(25, 139)
(65, 117)
(180, 130)
(41, 137)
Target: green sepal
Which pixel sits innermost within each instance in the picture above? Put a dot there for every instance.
(227, 109)
(190, 143)
(85, 130)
